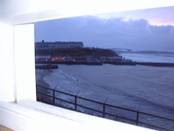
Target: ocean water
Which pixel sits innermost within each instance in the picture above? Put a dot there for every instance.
(143, 88)
(150, 57)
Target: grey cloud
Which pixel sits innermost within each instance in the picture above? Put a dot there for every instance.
(110, 33)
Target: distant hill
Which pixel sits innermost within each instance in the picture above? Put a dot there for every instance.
(76, 52)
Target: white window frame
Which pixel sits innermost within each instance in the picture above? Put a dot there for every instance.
(24, 51)
(26, 114)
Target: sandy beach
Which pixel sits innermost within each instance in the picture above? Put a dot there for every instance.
(148, 89)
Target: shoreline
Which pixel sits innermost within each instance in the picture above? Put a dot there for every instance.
(40, 74)
(156, 64)
(54, 65)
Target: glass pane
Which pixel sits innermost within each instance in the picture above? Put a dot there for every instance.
(117, 65)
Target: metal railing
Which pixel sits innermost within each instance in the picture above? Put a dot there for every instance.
(85, 105)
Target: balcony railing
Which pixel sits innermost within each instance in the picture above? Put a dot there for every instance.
(89, 106)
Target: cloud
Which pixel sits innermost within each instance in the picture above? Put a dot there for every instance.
(108, 33)
(155, 16)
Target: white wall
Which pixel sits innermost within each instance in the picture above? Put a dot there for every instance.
(24, 62)
(17, 67)
(7, 78)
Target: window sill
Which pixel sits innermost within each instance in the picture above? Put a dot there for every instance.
(30, 115)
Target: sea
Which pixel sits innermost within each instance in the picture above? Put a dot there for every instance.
(142, 88)
(163, 57)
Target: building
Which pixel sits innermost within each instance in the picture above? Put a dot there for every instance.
(58, 44)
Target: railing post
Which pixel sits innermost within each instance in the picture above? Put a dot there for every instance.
(54, 95)
(104, 109)
(75, 102)
(137, 120)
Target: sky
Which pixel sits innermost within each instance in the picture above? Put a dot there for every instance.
(157, 16)
(150, 29)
